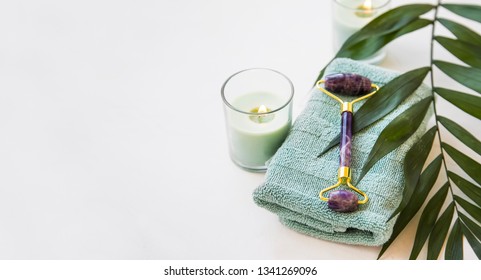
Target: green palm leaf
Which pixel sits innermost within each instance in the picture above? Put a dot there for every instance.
(468, 188)
(470, 166)
(428, 220)
(473, 227)
(473, 241)
(461, 32)
(470, 77)
(396, 133)
(468, 11)
(413, 165)
(424, 186)
(454, 246)
(470, 208)
(474, 232)
(439, 233)
(389, 22)
(468, 103)
(368, 47)
(466, 52)
(462, 134)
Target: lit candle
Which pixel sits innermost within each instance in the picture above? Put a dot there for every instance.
(365, 9)
(351, 15)
(260, 114)
(257, 121)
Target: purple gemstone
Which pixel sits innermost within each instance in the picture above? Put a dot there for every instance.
(342, 201)
(347, 84)
(346, 136)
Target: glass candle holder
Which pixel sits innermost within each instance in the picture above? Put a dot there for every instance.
(351, 15)
(258, 114)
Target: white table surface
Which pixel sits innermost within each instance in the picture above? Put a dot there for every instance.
(112, 132)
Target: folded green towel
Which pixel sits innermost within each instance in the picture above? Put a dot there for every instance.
(295, 174)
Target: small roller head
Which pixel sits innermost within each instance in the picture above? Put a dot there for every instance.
(347, 84)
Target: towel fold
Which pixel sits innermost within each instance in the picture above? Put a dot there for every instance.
(295, 174)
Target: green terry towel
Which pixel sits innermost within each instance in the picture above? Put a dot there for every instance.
(295, 174)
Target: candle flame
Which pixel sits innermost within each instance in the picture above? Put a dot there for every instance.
(262, 114)
(367, 5)
(262, 109)
(365, 10)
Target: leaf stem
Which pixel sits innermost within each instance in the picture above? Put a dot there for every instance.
(434, 103)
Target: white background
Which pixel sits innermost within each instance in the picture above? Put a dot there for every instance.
(112, 138)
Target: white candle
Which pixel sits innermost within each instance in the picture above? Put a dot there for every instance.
(255, 138)
(351, 15)
(258, 108)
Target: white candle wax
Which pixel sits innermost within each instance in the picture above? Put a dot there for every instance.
(253, 142)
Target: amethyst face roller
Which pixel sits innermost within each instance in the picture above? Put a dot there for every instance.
(349, 85)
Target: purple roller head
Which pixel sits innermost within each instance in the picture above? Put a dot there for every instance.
(347, 84)
(342, 201)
